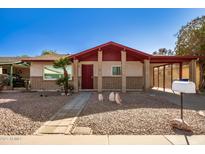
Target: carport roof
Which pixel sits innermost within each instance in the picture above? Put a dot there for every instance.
(171, 59)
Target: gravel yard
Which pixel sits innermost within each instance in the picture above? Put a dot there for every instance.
(23, 113)
(139, 114)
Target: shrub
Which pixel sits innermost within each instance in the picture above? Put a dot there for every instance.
(62, 82)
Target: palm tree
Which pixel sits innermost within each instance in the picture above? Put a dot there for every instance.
(63, 62)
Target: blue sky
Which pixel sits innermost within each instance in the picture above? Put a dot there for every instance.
(29, 31)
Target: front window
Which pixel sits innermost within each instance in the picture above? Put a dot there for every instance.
(116, 70)
(52, 73)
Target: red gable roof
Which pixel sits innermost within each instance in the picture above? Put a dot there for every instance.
(111, 51)
(133, 54)
(122, 47)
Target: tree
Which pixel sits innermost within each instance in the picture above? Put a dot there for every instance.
(63, 62)
(24, 56)
(191, 41)
(48, 52)
(164, 51)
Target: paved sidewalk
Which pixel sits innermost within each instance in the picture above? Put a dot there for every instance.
(105, 139)
(62, 122)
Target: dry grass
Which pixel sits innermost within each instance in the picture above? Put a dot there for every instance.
(140, 114)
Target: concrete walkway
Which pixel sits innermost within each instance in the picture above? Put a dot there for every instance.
(62, 122)
(105, 139)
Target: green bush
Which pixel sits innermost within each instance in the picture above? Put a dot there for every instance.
(62, 82)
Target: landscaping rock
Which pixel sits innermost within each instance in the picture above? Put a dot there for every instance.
(180, 124)
(112, 97)
(23, 113)
(118, 100)
(100, 97)
(139, 114)
(63, 94)
(201, 113)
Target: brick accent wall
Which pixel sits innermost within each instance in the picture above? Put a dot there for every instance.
(135, 82)
(111, 82)
(37, 83)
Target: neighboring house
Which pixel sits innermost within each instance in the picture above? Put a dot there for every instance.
(16, 69)
(110, 66)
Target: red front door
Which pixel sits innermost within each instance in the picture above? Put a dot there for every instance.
(87, 76)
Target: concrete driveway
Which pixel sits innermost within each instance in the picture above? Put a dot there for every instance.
(191, 101)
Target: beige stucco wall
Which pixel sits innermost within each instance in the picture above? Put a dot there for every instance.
(107, 66)
(36, 68)
(1, 70)
(134, 68)
(36, 77)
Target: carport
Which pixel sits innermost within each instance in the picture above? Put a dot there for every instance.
(166, 69)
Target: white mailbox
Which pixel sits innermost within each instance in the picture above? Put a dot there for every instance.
(184, 86)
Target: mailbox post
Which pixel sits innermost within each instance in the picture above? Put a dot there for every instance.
(183, 87)
(181, 105)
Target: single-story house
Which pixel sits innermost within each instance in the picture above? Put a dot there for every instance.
(107, 67)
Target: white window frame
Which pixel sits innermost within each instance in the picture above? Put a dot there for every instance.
(116, 66)
(44, 75)
(53, 79)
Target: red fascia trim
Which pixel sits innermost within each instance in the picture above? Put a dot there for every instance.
(173, 57)
(170, 61)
